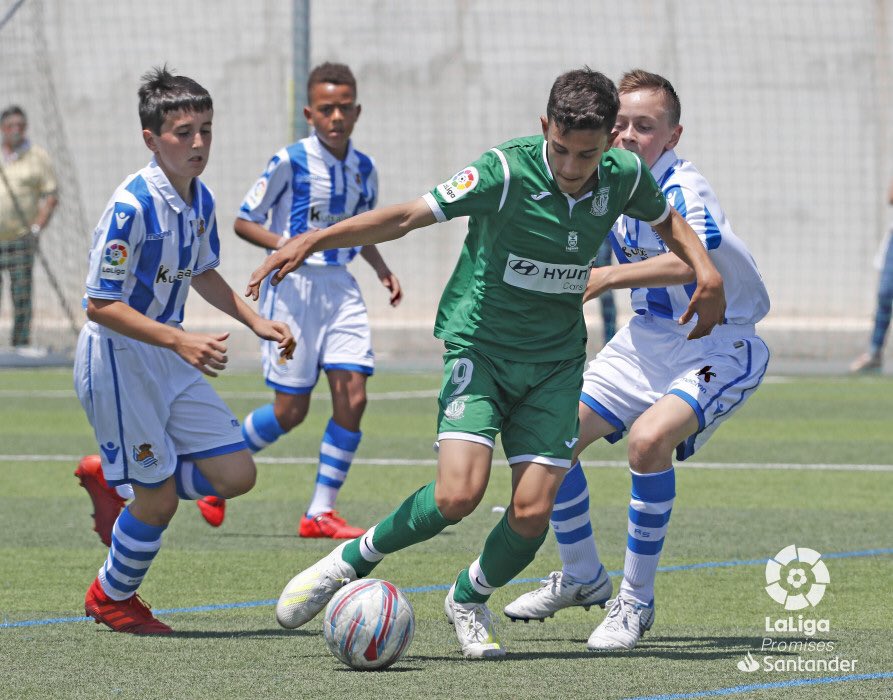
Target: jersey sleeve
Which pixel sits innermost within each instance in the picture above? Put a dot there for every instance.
(694, 210)
(209, 239)
(647, 202)
(476, 190)
(117, 241)
(267, 190)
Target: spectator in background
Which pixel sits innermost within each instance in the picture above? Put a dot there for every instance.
(27, 200)
(871, 361)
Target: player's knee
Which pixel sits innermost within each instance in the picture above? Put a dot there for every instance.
(291, 417)
(649, 449)
(237, 481)
(530, 518)
(456, 505)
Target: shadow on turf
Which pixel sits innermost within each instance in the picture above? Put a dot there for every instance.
(252, 634)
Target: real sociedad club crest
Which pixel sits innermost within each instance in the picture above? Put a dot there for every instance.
(600, 202)
(144, 456)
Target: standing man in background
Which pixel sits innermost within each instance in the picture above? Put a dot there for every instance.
(27, 200)
(872, 360)
(309, 185)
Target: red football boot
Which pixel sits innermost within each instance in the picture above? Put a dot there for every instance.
(132, 616)
(329, 525)
(213, 509)
(107, 504)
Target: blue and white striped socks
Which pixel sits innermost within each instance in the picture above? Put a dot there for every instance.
(191, 483)
(573, 528)
(261, 429)
(649, 514)
(134, 546)
(336, 453)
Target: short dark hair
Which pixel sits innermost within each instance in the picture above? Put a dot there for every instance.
(583, 99)
(639, 79)
(162, 92)
(13, 111)
(335, 73)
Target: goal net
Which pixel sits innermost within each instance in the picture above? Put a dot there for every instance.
(786, 108)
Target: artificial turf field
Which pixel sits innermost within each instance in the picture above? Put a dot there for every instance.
(808, 461)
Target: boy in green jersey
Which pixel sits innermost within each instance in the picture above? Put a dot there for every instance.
(512, 323)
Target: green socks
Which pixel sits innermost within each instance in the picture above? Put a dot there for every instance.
(415, 520)
(505, 555)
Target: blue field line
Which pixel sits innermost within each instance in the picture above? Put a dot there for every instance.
(445, 586)
(767, 686)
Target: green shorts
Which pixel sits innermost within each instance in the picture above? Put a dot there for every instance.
(533, 404)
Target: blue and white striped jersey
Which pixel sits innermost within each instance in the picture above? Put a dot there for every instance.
(747, 300)
(305, 187)
(149, 244)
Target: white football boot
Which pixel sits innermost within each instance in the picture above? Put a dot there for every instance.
(311, 590)
(475, 628)
(623, 626)
(557, 592)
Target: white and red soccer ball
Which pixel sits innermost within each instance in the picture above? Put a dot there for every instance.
(369, 624)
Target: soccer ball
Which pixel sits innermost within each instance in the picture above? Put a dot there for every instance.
(368, 624)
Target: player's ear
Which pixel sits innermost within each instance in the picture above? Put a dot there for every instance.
(307, 113)
(359, 109)
(545, 124)
(149, 140)
(674, 139)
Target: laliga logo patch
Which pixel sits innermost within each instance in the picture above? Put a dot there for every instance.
(113, 265)
(460, 184)
(802, 566)
(257, 193)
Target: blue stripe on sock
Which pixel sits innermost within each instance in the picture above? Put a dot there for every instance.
(637, 517)
(131, 554)
(562, 514)
(265, 424)
(341, 438)
(573, 485)
(127, 570)
(338, 464)
(644, 546)
(327, 481)
(118, 585)
(137, 529)
(654, 488)
(574, 535)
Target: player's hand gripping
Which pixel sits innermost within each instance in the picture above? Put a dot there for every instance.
(289, 257)
(279, 332)
(392, 284)
(709, 303)
(204, 352)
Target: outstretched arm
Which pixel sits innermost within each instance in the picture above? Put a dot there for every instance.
(709, 300)
(215, 290)
(372, 256)
(660, 271)
(374, 226)
(258, 235)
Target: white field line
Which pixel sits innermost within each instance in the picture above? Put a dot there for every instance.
(600, 464)
(322, 395)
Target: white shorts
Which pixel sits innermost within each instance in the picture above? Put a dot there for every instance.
(327, 315)
(148, 408)
(651, 357)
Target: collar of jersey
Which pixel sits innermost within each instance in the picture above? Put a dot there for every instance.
(159, 180)
(327, 156)
(663, 165)
(555, 184)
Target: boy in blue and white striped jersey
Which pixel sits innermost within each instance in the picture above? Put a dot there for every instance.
(312, 184)
(669, 392)
(161, 426)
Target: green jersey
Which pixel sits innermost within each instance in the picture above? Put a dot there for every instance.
(517, 289)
